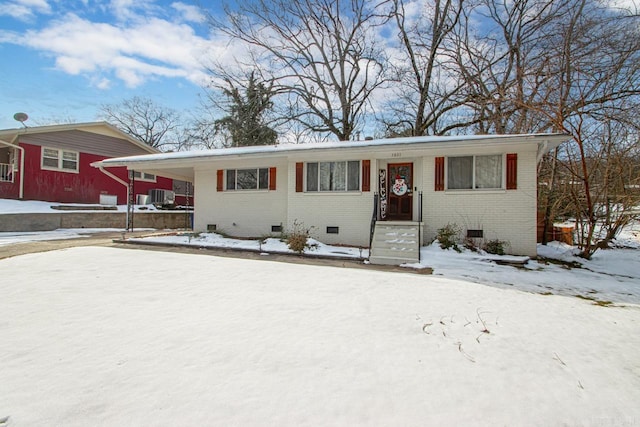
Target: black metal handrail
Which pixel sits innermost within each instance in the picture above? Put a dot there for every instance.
(419, 223)
(374, 218)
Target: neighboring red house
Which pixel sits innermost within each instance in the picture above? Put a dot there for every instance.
(53, 163)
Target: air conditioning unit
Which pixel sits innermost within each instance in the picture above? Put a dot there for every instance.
(162, 197)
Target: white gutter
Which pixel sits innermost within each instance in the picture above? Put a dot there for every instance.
(21, 188)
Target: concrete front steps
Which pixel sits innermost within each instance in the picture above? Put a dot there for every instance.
(395, 243)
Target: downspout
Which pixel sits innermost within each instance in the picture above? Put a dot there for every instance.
(542, 148)
(21, 187)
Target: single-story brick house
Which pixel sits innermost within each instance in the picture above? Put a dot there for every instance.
(52, 163)
(403, 188)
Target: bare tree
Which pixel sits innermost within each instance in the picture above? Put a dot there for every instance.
(568, 66)
(613, 178)
(598, 84)
(321, 56)
(147, 121)
(587, 78)
(55, 120)
(428, 89)
(504, 62)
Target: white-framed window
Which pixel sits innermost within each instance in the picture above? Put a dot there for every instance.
(475, 172)
(143, 176)
(333, 176)
(59, 160)
(247, 179)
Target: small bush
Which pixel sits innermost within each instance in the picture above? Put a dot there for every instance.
(495, 247)
(470, 244)
(297, 238)
(448, 236)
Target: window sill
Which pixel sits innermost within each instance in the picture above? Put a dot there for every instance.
(247, 191)
(332, 193)
(44, 168)
(477, 191)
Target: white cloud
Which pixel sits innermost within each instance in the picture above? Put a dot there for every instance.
(130, 77)
(37, 4)
(137, 44)
(102, 83)
(74, 65)
(145, 49)
(24, 9)
(121, 9)
(189, 13)
(10, 37)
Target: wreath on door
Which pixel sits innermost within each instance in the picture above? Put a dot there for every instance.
(400, 187)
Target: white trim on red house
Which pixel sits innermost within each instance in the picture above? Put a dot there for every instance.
(59, 159)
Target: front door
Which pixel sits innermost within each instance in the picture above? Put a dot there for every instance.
(399, 190)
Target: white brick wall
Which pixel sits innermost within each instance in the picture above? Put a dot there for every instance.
(505, 215)
(351, 211)
(244, 213)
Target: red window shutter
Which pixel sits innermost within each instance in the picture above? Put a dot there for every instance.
(366, 175)
(272, 178)
(439, 178)
(512, 171)
(220, 179)
(299, 172)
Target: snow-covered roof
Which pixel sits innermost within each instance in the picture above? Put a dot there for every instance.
(548, 141)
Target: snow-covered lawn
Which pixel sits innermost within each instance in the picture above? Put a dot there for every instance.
(611, 276)
(108, 336)
(268, 245)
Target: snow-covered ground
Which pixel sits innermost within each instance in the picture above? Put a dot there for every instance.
(611, 276)
(108, 336)
(8, 238)
(269, 245)
(10, 206)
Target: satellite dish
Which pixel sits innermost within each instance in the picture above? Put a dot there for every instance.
(21, 117)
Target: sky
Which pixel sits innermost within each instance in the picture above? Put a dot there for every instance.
(63, 59)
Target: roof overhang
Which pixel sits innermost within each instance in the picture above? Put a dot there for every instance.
(181, 165)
